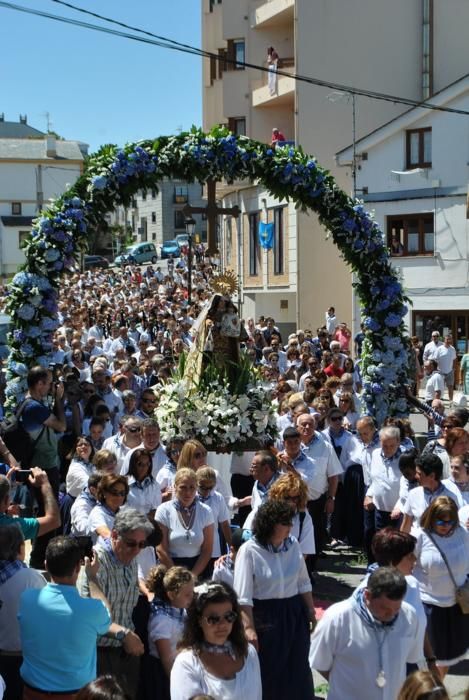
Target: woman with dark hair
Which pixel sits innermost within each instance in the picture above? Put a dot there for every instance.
(440, 445)
(81, 466)
(215, 657)
(144, 493)
(103, 688)
(274, 591)
(111, 494)
(443, 565)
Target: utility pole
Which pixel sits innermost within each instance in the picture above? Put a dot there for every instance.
(212, 212)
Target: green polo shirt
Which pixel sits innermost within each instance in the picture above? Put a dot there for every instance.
(29, 526)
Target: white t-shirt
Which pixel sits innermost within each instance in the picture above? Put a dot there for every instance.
(10, 593)
(435, 382)
(347, 647)
(326, 464)
(146, 559)
(99, 516)
(445, 356)
(164, 626)
(146, 498)
(306, 540)
(419, 499)
(189, 678)
(80, 513)
(262, 574)
(158, 460)
(182, 542)
(436, 586)
(385, 480)
(221, 514)
(77, 477)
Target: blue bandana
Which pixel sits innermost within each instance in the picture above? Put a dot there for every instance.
(160, 607)
(9, 569)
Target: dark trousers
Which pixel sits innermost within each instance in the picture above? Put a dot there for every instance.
(10, 672)
(38, 551)
(376, 520)
(125, 668)
(241, 486)
(319, 518)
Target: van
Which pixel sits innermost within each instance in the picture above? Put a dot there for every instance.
(138, 253)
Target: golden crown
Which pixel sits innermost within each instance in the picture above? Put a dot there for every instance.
(225, 283)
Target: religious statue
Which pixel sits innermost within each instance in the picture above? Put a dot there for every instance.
(217, 334)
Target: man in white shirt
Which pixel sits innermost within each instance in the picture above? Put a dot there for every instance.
(446, 357)
(430, 350)
(150, 441)
(429, 470)
(385, 476)
(265, 471)
(435, 385)
(362, 644)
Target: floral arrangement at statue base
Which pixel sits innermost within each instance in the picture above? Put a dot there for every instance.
(222, 421)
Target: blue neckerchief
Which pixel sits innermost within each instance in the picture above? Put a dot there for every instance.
(87, 496)
(108, 510)
(388, 460)
(337, 434)
(434, 494)
(374, 442)
(9, 569)
(299, 458)
(314, 439)
(182, 509)
(362, 610)
(117, 440)
(142, 485)
(161, 607)
(264, 489)
(83, 461)
(170, 465)
(284, 547)
(204, 499)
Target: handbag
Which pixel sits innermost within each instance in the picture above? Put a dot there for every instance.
(462, 592)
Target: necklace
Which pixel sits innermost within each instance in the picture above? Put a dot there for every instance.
(186, 518)
(225, 648)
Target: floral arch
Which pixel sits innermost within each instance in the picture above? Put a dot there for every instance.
(113, 175)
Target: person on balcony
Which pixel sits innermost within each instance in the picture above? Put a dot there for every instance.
(272, 62)
(277, 137)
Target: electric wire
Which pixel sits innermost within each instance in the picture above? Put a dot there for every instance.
(164, 42)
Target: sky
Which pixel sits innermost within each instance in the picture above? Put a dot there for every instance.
(99, 88)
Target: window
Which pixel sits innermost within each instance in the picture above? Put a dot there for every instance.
(181, 194)
(228, 238)
(22, 237)
(212, 3)
(419, 148)
(213, 69)
(411, 234)
(144, 195)
(16, 208)
(237, 125)
(153, 217)
(239, 52)
(253, 244)
(179, 219)
(279, 241)
(153, 193)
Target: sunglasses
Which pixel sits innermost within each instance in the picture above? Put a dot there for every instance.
(206, 488)
(120, 494)
(229, 617)
(336, 419)
(133, 544)
(134, 429)
(445, 523)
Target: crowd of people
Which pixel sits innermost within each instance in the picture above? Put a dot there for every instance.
(152, 576)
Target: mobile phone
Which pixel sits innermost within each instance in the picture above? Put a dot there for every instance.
(22, 471)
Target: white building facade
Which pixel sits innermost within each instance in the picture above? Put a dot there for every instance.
(415, 171)
(399, 48)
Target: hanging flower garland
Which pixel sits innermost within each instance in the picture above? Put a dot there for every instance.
(114, 175)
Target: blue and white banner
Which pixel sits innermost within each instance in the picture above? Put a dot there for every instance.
(266, 235)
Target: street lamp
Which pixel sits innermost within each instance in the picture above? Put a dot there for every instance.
(190, 230)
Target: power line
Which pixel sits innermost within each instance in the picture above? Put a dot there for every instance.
(164, 42)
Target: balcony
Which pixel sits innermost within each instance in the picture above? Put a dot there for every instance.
(284, 94)
(276, 13)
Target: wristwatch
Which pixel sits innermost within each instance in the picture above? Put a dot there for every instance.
(121, 634)
(330, 498)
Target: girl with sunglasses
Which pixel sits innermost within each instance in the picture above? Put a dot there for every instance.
(81, 466)
(441, 536)
(215, 658)
(193, 456)
(111, 495)
(144, 492)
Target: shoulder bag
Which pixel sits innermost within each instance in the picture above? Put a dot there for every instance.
(462, 592)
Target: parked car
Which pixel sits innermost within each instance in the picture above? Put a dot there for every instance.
(170, 248)
(95, 261)
(138, 253)
(183, 239)
(5, 327)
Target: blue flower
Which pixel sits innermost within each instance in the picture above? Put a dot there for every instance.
(51, 255)
(26, 312)
(99, 182)
(33, 332)
(371, 324)
(393, 320)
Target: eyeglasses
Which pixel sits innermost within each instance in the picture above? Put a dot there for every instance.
(205, 487)
(229, 617)
(347, 384)
(133, 544)
(133, 429)
(336, 419)
(445, 523)
(175, 451)
(120, 494)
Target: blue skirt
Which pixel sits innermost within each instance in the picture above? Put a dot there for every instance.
(282, 628)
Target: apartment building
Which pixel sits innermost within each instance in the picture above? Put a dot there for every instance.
(409, 49)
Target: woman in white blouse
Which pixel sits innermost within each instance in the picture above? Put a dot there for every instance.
(215, 658)
(186, 525)
(81, 466)
(274, 592)
(111, 495)
(441, 533)
(144, 492)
